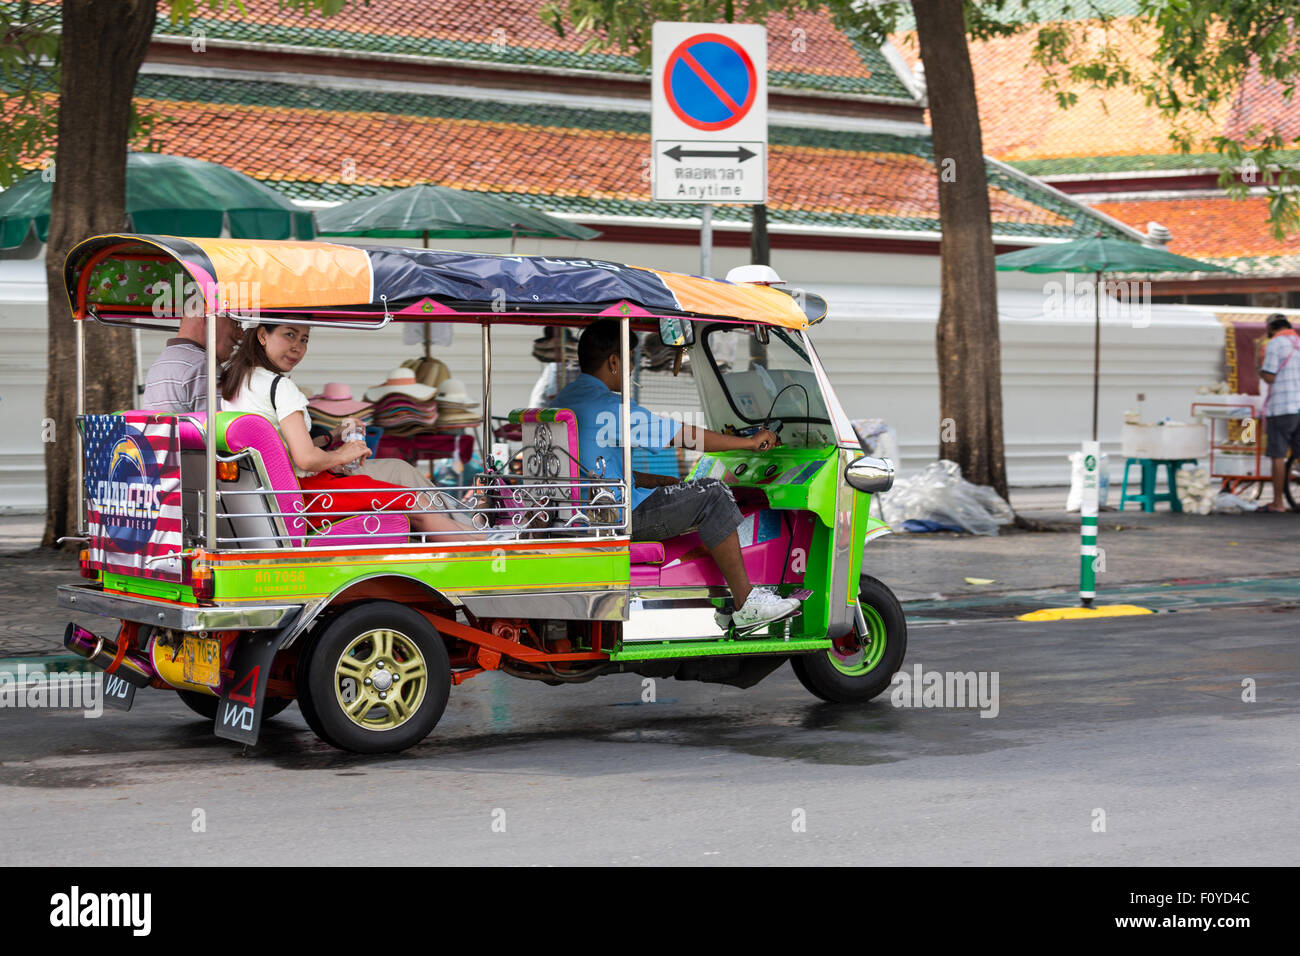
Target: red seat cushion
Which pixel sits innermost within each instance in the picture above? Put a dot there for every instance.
(647, 552)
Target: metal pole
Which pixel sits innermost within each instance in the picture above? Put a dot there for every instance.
(486, 448)
(1096, 357)
(81, 410)
(760, 249)
(426, 324)
(706, 239)
(625, 328)
(210, 439)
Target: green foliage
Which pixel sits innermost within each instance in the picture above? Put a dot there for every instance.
(1205, 52)
(29, 41)
(29, 61)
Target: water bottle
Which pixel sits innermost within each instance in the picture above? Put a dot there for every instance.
(353, 431)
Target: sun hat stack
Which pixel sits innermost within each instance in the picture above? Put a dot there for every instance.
(547, 348)
(455, 410)
(335, 403)
(403, 406)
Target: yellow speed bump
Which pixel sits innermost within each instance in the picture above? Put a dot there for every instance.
(1084, 613)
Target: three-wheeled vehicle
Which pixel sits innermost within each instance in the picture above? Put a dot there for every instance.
(228, 583)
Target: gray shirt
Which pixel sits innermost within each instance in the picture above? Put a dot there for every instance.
(178, 379)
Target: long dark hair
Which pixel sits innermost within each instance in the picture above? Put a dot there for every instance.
(249, 354)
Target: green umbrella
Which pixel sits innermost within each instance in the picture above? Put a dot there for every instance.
(418, 212)
(423, 211)
(1098, 255)
(171, 195)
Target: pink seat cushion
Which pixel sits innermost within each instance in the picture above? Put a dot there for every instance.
(647, 552)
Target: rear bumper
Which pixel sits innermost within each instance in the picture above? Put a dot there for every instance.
(180, 617)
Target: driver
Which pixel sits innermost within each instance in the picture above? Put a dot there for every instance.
(664, 507)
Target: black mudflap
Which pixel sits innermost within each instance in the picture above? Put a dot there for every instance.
(118, 692)
(239, 712)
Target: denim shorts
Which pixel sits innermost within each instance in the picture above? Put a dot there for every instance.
(1283, 432)
(705, 503)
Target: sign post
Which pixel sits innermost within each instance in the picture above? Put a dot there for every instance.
(708, 128)
(1088, 523)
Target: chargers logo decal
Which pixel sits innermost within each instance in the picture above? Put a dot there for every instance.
(124, 486)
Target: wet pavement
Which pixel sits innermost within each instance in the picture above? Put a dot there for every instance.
(1141, 719)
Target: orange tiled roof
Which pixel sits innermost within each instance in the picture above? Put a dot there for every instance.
(804, 51)
(311, 146)
(1207, 228)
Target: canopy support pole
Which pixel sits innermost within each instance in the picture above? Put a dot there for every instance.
(625, 432)
(486, 447)
(210, 439)
(81, 410)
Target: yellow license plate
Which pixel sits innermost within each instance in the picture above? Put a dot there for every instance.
(201, 659)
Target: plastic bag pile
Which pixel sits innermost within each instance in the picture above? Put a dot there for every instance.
(1195, 493)
(940, 495)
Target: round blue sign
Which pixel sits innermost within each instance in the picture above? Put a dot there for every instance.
(710, 82)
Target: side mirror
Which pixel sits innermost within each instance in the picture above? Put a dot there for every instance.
(871, 475)
(676, 333)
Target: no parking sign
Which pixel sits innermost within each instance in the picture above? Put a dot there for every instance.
(709, 119)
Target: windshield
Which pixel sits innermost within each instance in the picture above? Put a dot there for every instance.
(766, 381)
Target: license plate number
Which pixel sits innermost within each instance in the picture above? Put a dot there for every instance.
(201, 660)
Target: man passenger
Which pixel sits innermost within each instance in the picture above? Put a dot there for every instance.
(662, 506)
(178, 379)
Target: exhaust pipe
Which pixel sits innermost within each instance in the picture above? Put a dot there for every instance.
(135, 667)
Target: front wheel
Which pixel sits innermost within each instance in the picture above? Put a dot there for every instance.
(1292, 486)
(859, 666)
(376, 681)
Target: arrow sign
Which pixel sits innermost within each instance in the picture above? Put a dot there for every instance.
(740, 154)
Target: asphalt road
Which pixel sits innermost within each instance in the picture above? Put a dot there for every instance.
(1141, 719)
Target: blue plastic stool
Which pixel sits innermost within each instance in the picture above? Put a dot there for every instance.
(1148, 496)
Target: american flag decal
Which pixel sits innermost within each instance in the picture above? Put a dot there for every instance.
(133, 493)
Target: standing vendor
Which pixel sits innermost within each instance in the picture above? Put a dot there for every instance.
(1281, 369)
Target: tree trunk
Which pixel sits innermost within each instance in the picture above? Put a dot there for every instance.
(103, 45)
(967, 339)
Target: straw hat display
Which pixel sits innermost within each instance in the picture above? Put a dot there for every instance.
(401, 381)
(454, 405)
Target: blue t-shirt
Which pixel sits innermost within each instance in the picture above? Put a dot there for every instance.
(597, 410)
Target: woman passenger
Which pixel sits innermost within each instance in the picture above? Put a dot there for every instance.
(267, 354)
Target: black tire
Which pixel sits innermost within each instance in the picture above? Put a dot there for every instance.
(819, 672)
(205, 705)
(404, 717)
(1292, 486)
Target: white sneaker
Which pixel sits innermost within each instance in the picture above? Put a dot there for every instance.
(764, 605)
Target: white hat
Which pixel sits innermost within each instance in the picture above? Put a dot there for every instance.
(400, 380)
(452, 392)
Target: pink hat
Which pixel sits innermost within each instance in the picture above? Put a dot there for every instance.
(337, 399)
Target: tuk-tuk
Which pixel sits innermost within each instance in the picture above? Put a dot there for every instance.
(229, 584)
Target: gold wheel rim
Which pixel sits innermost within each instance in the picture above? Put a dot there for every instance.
(380, 679)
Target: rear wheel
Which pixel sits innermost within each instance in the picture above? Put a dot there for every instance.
(860, 665)
(376, 681)
(205, 705)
